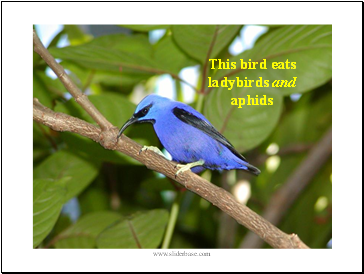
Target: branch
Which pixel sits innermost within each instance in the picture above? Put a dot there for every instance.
(204, 71)
(106, 137)
(284, 151)
(77, 94)
(212, 193)
(284, 197)
(227, 226)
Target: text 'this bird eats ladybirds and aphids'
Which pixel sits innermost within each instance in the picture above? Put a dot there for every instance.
(230, 82)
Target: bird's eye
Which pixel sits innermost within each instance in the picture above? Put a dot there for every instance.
(145, 111)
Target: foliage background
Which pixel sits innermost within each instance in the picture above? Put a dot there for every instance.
(87, 197)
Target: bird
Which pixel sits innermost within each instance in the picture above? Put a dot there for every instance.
(191, 140)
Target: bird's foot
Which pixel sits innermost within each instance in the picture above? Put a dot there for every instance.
(155, 149)
(183, 168)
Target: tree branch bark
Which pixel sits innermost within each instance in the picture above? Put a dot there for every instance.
(77, 94)
(284, 197)
(106, 136)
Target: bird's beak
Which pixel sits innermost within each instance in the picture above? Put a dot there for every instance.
(131, 121)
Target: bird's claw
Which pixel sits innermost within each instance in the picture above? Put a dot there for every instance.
(155, 149)
(183, 168)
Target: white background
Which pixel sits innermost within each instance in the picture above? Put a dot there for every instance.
(17, 20)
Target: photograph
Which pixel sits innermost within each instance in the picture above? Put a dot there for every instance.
(190, 137)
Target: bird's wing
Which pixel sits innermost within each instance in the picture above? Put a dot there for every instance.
(191, 119)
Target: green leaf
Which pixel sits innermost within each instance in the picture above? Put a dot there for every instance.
(142, 230)
(138, 43)
(56, 39)
(101, 58)
(41, 144)
(79, 75)
(94, 199)
(150, 192)
(144, 28)
(85, 147)
(47, 204)
(66, 164)
(244, 127)
(196, 40)
(112, 53)
(75, 35)
(304, 124)
(116, 108)
(308, 121)
(169, 57)
(54, 86)
(103, 80)
(129, 55)
(64, 221)
(100, 69)
(40, 91)
(312, 225)
(119, 80)
(157, 185)
(309, 46)
(83, 233)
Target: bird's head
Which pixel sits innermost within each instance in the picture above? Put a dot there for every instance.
(147, 111)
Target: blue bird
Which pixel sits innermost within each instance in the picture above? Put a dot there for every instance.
(188, 136)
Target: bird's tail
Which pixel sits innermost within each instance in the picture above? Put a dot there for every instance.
(252, 169)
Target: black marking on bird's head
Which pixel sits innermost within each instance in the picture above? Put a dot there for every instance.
(143, 112)
(137, 118)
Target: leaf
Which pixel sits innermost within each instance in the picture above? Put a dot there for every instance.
(308, 121)
(85, 147)
(75, 35)
(144, 27)
(116, 109)
(66, 164)
(79, 75)
(94, 199)
(54, 86)
(103, 80)
(57, 38)
(130, 54)
(47, 204)
(309, 46)
(101, 58)
(169, 57)
(244, 127)
(150, 192)
(83, 233)
(41, 145)
(64, 221)
(137, 43)
(142, 230)
(196, 40)
(157, 185)
(40, 91)
(119, 80)
(314, 227)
